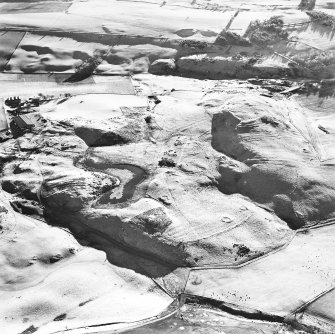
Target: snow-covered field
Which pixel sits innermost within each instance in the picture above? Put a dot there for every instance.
(178, 175)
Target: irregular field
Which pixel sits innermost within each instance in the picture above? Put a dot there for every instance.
(319, 313)
(321, 117)
(273, 285)
(39, 266)
(195, 320)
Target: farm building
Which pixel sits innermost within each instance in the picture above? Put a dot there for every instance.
(23, 123)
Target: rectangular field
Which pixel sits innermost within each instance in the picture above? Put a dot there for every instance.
(31, 84)
(34, 7)
(9, 40)
(116, 85)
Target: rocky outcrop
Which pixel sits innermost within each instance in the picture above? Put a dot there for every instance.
(109, 132)
(270, 161)
(97, 136)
